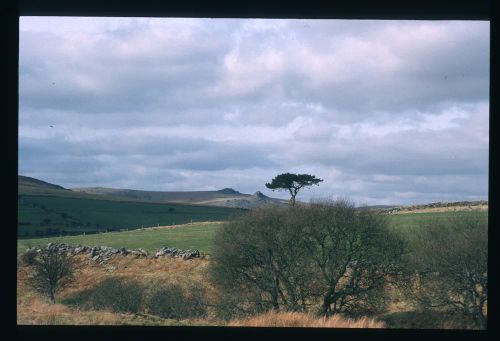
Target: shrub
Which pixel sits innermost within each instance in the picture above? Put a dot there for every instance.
(258, 259)
(289, 259)
(171, 301)
(28, 257)
(447, 268)
(51, 272)
(425, 319)
(116, 294)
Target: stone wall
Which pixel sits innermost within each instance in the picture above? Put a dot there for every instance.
(102, 254)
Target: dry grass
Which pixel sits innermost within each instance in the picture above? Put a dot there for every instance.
(32, 308)
(173, 270)
(38, 312)
(295, 319)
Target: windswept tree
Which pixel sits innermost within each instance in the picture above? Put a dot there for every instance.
(293, 183)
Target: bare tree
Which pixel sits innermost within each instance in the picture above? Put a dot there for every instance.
(353, 252)
(51, 272)
(258, 258)
(288, 259)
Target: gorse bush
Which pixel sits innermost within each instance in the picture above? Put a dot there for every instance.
(172, 301)
(116, 294)
(28, 257)
(426, 319)
(167, 300)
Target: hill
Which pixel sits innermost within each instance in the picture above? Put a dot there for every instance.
(46, 209)
(226, 197)
(35, 186)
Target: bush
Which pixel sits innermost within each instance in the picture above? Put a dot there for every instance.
(327, 254)
(447, 269)
(116, 294)
(258, 260)
(171, 301)
(425, 319)
(52, 271)
(28, 257)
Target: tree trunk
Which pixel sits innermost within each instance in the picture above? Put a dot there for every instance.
(274, 301)
(327, 301)
(52, 296)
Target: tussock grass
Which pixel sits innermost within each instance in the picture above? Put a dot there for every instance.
(296, 319)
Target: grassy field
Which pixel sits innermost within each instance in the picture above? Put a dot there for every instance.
(52, 215)
(200, 236)
(404, 224)
(33, 309)
(192, 236)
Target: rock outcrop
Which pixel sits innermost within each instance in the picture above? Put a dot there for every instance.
(468, 204)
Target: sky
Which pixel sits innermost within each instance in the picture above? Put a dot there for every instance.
(385, 112)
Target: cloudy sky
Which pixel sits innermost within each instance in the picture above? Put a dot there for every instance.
(386, 112)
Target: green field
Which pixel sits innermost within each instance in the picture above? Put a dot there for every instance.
(404, 224)
(198, 237)
(201, 236)
(42, 215)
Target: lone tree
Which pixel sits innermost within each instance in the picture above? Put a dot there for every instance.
(52, 271)
(293, 183)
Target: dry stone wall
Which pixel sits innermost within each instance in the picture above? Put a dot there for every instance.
(102, 254)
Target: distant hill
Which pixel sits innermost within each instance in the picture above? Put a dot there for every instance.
(226, 197)
(35, 186)
(45, 209)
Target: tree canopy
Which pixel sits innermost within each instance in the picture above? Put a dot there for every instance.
(325, 255)
(293, 183)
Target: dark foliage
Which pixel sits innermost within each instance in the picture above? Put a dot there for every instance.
(172, 301)
(116, 294)
(293, 183)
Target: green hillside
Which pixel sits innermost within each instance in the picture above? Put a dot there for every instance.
(42, 215)
(200, 236)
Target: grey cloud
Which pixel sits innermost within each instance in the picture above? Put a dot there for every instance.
(261, 78)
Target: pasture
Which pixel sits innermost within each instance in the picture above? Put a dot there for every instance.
(52, 215)
(190, 236)
(200, 236)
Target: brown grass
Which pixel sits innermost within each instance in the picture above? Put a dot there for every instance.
(295, 319)
(32, 308)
